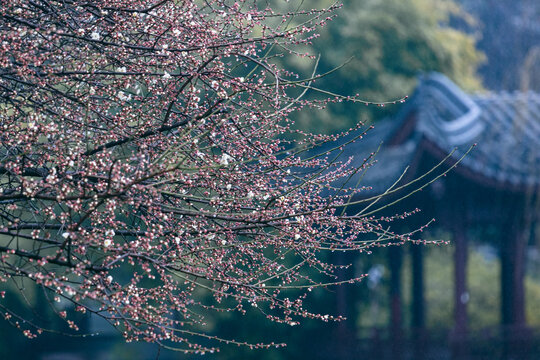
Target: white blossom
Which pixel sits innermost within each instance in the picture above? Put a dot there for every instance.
(95, 36)
(225, 159)
(122, 96)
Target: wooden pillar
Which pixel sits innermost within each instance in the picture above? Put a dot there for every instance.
(513, 248)
(418, 302)
(395, 260)
(344, 333)
(461, 295)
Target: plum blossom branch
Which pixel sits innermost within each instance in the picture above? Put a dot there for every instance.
(145, 158)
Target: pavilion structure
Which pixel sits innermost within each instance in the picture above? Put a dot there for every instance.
(496, 186)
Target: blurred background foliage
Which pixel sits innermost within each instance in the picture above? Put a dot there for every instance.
(385, 45)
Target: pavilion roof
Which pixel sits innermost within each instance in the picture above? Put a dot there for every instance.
(505, 127)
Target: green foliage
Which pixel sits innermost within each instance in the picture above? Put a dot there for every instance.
(483, 277)
(390, 43)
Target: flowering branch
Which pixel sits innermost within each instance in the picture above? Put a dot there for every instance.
(143, 161)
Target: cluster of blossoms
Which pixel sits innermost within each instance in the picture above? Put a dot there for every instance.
(143, 163)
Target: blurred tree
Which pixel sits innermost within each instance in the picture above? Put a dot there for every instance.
(390, 43)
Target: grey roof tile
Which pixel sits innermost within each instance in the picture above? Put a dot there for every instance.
(505, 127)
